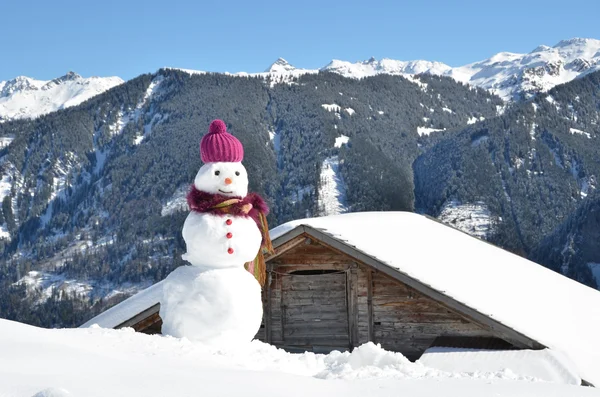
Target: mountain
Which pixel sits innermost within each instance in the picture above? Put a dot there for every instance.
(24, 97)
(520, 76)
(573, 248)
(280, 66)
(516, 178)
(509, 75)
(280, 72)
(92, 197)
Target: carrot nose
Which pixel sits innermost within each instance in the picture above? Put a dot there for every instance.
(228, 181)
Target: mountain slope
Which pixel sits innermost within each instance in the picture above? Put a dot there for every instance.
(572, 248)
(24, 97)
(529, 169)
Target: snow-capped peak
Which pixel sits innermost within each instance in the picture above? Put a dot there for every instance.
(577, 42)
(373, 67)
(513, 75)
(20, 83)
(25, 97)
(280, 66)
(507, 74)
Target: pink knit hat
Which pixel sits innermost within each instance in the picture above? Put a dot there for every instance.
(220, 146)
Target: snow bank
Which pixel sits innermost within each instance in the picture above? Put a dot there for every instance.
(371, 361)
(96, 362)
(546, 365)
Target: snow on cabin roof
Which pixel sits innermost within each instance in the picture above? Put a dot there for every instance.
(543, 305)
(529, 298)
(128, 309)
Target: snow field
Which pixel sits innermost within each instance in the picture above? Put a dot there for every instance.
(99, 362)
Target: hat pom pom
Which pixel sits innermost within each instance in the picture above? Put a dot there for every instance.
(217, 127)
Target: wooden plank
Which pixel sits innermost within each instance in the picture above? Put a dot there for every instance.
(312, 286)
(386, 334)
(331, 320)
(303, 301)
(335, 293)
(391, 303)
(285, 268)
(313, 341)
(267, 314)
(352, 307)
(370, 304)
(309, 330)
(311, 260)
(319, 312)
(362, 305)
(420, 317)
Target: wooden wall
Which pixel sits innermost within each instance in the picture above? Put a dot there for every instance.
(406, 321)
(318, 299)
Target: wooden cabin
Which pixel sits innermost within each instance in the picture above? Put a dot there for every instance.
(324, 295)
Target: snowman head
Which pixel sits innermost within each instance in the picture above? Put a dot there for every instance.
(222, 172)
(228, 179)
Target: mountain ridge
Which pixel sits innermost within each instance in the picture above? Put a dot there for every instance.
(512, 76)
(25, 97)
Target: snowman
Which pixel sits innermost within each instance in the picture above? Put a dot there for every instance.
(217, 300)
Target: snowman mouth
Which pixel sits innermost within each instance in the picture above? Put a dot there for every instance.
(222, 191)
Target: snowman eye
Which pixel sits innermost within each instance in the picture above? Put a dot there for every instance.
(237, 173)
(217, 172)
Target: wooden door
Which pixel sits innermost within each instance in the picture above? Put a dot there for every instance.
(315, 311)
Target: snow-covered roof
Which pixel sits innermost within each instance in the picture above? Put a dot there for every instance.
(529, 298)
(128, 309)
(543, 305)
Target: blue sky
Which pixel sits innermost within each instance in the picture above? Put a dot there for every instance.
(45, 39)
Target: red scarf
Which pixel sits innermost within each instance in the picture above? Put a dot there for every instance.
(252, 206)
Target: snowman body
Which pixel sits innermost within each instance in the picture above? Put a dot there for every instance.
(218, 307)
(220, 241)
(215, 301)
